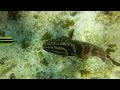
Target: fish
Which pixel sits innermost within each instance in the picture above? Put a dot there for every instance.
(4, 40)
(68, 47)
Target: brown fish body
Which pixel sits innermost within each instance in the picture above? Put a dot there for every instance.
(68, 47)
(85, 50)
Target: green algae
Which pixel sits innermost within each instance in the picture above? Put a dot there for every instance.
(63, 23)
(109, 50)
(13, 15)
(106, 12)
(25, 44)
(3, 60)
(35, 16)
(112, 45)
(68, 23)
(72, 71)
(42, 75)
(5, 69)
(73, 13)
(2, 33)
(110, 18)
(39, 53)
(46, 36)
(27, 66)
(84, 72)
(44, 62)
(12, 76)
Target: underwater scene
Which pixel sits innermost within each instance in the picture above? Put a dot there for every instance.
(60, 45)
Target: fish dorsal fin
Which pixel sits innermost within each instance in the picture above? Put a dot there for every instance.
(63, 39)
(70, 33)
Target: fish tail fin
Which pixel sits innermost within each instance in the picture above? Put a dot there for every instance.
(113, 61)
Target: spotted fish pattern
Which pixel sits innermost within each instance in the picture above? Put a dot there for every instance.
(66, 46)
